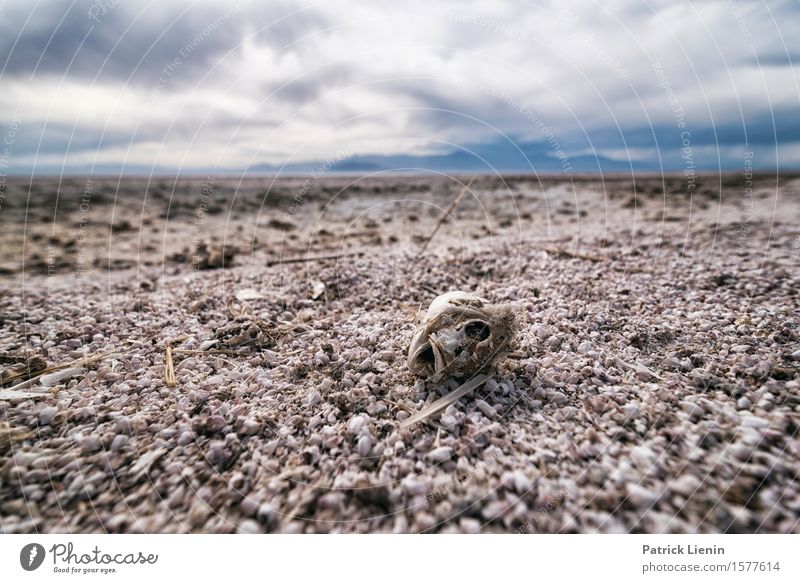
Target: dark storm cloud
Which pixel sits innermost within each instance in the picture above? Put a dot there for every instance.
(121, 41)
(755, 130)
(778, 59)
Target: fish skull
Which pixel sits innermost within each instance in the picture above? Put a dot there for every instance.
(460, 335)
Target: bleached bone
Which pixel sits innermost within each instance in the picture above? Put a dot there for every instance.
(460, 335)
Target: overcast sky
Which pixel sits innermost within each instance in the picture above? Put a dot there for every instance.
(139, 86)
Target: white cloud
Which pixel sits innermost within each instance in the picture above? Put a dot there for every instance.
(306, 82)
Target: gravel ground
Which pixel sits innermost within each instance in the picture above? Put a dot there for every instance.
(653, 387)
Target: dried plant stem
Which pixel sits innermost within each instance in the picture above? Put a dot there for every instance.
(314, 258)
(446, 214)
(169, 368)
(209, 351)
(445, 401)
(10, 435)
(633, 270)
(79, 363)
(559, 252)
(397, 405)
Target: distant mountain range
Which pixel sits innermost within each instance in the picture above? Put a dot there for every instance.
(497, 157)
(505, 157)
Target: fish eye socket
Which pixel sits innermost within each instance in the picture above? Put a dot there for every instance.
(427, 355)
(477, 330)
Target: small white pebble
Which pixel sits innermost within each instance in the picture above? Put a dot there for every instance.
(249, 527)
(440, 454)
(364, 445)
(356, 424)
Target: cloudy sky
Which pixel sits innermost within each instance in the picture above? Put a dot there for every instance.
(161, 86)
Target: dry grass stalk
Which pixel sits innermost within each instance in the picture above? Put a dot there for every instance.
(209, 351)
(28, 367)
(169, 367)
(429, 289)
(560, 252)
(79, 363)
(446, 214)
(313, 258)
(10, 435)
(15, 394)
(633, 270)
(445, 401)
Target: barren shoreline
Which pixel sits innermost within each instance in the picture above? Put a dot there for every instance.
(654, 386)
